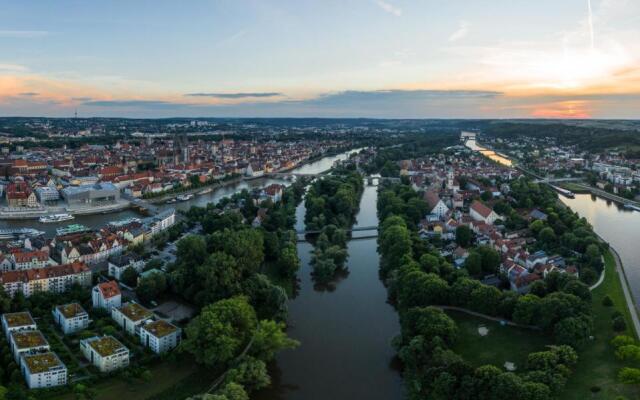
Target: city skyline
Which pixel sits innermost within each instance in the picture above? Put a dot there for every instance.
(366, 58)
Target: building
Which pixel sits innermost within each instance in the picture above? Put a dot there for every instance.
(43, 370)
(57, 279)
(19, 194)
(105, 353)
(27, 342)
(91, 195)
(106, 295)
(160, 222)
(480, 212)
(131, 317)
(119, 264)
(47, 193)
(160, 336)
(436, 205)
(71, 318)
(18, 321)
(30, 259)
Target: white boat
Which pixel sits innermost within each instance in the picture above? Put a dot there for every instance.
(55, 218)
(184, 197)
(171, 201)
(207, 190)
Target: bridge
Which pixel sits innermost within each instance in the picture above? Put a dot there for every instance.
(289, 175)
(557, 180)
(142, 206)
(356, 229)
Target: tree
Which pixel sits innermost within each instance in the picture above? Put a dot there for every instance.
(619, 325)
(269, 338)
(463, 236)
(251, 373)
(191, 250)
(622, 340)
(473, 264)
(428, 322)
(527, 309)
(151, 286)
(268, 300)
(547, 236)
(630, 376)
(130, 277)
(221, 331)
(606, 301)
(490, 259)
(485, 299)
(628, 352)
(288, 261)
(217, 278)
(420, 289)
(573, 331)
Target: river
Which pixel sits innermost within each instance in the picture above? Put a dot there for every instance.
(99, 220)
(345, 333)
(618, 226)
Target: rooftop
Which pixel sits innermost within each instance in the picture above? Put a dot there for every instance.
(71, 310)
(18, 319)
(106, 345)
(135, 312)
(160, 328)
(42, 362)
(29, 339)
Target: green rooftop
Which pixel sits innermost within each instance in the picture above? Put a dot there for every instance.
(29, 339)
(18, 319)
(42, 362)
(160, 328)
(135, 312)
(71, 310)
(106, 345)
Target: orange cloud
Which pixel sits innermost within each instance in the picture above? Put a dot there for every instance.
(564, 109)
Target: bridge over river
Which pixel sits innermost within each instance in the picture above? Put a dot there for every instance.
(373, 229)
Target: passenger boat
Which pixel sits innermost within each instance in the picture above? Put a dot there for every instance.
(73, 228)
(45, 219)
(18, 233)
(184, 197)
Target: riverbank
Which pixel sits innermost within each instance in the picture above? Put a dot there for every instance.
(20, 214)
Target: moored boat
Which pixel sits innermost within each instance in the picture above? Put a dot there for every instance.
(55, 218)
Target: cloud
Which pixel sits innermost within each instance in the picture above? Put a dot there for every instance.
(12, 68)
(28, 94)
(85, 99)
(152, 104)
(461, 32)
(22, 34)
(388, 7)
(234, 95)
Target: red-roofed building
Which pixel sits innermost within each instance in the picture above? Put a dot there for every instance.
(55, 279)
(480, 212)
(106, 295)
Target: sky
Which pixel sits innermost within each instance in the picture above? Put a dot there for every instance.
(322, 58)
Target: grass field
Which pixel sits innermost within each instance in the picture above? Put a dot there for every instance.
(597, 365)
(501, 344)
(573, 187)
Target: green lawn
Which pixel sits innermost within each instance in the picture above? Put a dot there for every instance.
(501, 344)
(597, 365)
(573, 187)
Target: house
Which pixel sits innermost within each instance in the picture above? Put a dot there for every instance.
(19, 194)
(18, 321)
(119, 264)
(274, 192)
(6, 264)
(71, 318)
(27, 342)
(131, 317)
(43, 370)
(160, 336)
(480, 212)
(537, 214)
(106, 295)
(30, 259)
(57, 279)
(539, 257)
(436, 205)
(105, 353)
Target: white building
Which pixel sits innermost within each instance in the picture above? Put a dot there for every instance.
(480, 212)
(119, 264)
(436, 205)
(47, 193)
(131, 317)
(71, 318)
(106, 295)
(105, 353)
(27, 342)
(160, 222)
(43, 370)
(18, 321)
(160, 336)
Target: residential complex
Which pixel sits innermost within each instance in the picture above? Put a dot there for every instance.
(105, 353)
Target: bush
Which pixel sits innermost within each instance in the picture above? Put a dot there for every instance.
(607, 302)
(619, 325)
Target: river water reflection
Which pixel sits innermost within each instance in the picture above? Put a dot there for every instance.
(345, 334)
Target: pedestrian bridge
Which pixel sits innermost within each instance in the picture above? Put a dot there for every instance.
(354, 229)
